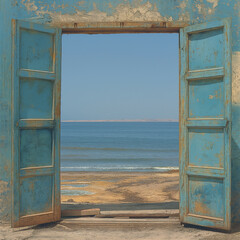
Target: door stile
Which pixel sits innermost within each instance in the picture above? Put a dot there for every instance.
(57, 117)
(183, 106)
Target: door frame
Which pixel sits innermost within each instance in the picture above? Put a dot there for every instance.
(135, 28)
(122, 27)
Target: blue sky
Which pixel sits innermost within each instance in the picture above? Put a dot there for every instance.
(120, 76)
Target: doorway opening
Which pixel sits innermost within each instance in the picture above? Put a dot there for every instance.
(119, 130)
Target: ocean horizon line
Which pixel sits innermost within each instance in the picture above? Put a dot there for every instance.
(125, 120)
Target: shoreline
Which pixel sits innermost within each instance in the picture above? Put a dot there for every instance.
(121, 172)
(119, 187)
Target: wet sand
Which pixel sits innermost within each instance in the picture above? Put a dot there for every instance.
(119, 187)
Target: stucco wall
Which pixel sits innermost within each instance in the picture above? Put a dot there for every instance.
(77, 14)
(5, 109)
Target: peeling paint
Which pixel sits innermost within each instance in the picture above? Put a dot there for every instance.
(205, 10)
(217, 95)
(30, 5)
(80, 3)
(3, 187)
(4, 201)
(123, 12)
(185, 15)
(201, 208)
(236, 77)
(214, 2)
(183, 5)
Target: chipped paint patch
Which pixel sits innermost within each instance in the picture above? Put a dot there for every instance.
(123, 12)
(214, 2)
(184, 15)
(30, 5)
(4, 201)
(236, 77)
(204, 10)
(183, 5)
(201, 208)
(216, 95)
(80, 3)
(3, 187)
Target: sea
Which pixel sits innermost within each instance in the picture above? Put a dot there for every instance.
(119, 146)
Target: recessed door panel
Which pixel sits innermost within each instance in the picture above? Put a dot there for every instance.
(202, 197)
(36, 148)
(206, 49)
(206, 147)
(36, 99)
(36, 46)
(34, 195)
(206, 98)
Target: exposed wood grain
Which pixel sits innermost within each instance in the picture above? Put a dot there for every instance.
(80, 213)
(134, 215)
(124, 27)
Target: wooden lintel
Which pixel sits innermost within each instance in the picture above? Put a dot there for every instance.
(123, 27)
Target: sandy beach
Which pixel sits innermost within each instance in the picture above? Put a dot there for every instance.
(119, 187)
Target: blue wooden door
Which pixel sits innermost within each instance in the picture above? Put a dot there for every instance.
(36, 123)
(205, 124)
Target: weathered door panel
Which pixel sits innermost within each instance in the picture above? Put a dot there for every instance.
(36, 123)
(205, 124)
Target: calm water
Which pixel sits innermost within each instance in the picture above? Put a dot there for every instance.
(119, 146)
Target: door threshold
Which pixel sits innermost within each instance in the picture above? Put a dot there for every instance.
(131, 214)
(117, 222)
(126, 218)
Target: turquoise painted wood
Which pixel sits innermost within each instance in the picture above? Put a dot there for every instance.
(36, 70)
(205, 124)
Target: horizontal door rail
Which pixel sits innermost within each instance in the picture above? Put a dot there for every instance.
(35, 219)
(36, 171)
(205, 74)
(208, 123)
(27, 73)
(37, 27)
(36, 123)
(203, 27)
(206, 172)
(203, 220)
